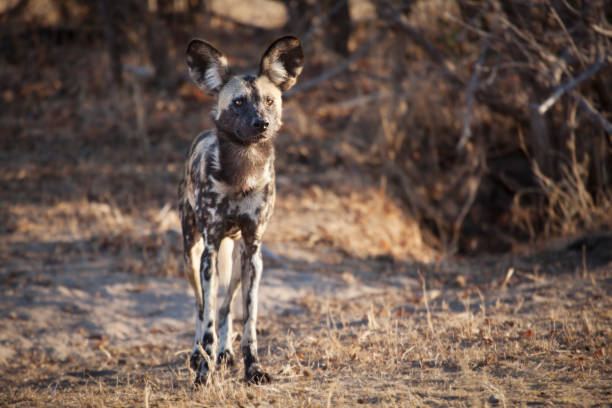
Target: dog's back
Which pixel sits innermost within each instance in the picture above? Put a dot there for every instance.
(203, 152)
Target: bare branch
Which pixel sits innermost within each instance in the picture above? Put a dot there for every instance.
(569, 85)
(466, 131)
(141, 71)
(355, 102)
(601, 30)
(598, 117)
(567, 34)
(492, 101)
(361, 52)
(473, 184)
(468, 26)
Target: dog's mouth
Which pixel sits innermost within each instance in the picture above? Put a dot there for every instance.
(259, 137)
(251, 138)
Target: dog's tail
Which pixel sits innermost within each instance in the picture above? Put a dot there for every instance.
(224, 261)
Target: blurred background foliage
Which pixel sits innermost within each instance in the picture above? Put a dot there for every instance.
(485, 122)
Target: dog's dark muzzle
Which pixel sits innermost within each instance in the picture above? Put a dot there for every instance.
(259, 125)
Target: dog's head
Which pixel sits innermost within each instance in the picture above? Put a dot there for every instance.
(248, 107)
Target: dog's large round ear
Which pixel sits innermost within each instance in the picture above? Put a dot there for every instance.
(207, 66)
(283, 62)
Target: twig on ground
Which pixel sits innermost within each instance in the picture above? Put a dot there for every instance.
(331, 392)
(571, 84)
(147, 395)
(507, 278)
(429, 321)
(466, 131)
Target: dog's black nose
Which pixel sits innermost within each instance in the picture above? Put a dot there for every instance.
(260, 125)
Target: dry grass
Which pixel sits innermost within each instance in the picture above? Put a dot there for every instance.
(531, 340)
(568, 207)
(316, 218)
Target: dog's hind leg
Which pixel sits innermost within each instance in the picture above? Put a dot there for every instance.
(193, 245)
(209, 280)
(226, 353)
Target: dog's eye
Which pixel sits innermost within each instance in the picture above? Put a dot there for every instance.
(269, 101)
(238, 102)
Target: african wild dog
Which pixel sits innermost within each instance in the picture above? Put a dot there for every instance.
(228, 193)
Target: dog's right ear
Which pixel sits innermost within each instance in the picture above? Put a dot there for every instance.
(207, 66)
(283, 62)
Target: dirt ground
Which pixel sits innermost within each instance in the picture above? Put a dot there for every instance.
(521, 331)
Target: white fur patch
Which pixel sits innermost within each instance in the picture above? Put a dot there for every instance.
(234, 87)
(224, 260)
(249, 205)
(199, 150)
(196, 254)
(277, 72)
(257, 180)
(212, 79)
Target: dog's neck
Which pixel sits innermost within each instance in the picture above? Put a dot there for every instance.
(243, 166)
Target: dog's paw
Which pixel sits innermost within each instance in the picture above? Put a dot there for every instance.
(195, 360)
(256, 375)
(226, 357)
(202, 378)
(199, 364)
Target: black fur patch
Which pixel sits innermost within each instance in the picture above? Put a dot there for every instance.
(253, 373)
(195, 360)
(205, 264)
(248, 357)
(226, 357)
(207, 339)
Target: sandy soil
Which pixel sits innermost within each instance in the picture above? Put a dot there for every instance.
(486, 332)
(65, 310)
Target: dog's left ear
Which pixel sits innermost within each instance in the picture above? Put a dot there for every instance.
(283, 62)
(207, 66)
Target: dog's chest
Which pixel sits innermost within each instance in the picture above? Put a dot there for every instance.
(222, 207)
(225, 214)
(247, 205)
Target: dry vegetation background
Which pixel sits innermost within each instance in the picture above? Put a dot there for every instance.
(421, 137)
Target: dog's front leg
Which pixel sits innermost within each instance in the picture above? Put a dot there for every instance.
(226, 353)
(252, 267)
(206, 316)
